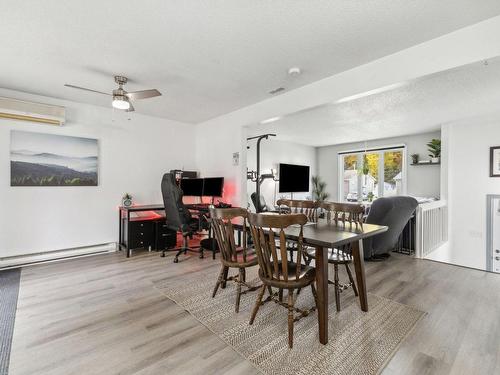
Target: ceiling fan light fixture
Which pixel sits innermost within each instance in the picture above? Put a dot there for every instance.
(120, 102)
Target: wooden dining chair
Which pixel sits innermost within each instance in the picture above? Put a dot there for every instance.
(275, 269)
(308, 208)
(348, 215)
(232, 256)
(294, 206)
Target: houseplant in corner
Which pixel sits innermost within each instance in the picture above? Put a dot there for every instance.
(434, 147)
(319, 191)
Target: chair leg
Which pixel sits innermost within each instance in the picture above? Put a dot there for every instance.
(280, 295)
(270, 290)
(351, 280)
(219, 281)
(315, 295)
(290, 318)
(291, 255)
(244, 273)
(337, 286)
(238, 290)
(307, 260)
(224, 278)
(257, 303)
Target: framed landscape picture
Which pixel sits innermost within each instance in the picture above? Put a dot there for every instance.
(38, 159)
(495, 161)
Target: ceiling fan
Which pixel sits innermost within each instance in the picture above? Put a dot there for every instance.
(122, 98)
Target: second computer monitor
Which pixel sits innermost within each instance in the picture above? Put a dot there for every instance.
(213, 186)
(192, 187)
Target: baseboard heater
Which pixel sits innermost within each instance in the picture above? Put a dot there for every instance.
(56, 255)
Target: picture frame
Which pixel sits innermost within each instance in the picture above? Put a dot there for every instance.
(495, 161)
(47, 159)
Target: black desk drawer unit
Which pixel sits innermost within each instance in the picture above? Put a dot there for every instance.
(165, 237)
(141, 234)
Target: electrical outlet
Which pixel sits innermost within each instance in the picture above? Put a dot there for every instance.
(236, 158)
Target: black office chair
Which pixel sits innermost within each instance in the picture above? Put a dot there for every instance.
(178, 217)
(393, 212)
(263, 205)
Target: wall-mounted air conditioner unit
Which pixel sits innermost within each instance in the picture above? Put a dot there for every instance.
(26, 111)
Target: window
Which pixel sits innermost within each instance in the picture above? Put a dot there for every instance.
(368, 174)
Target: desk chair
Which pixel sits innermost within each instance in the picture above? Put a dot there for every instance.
(393, 212)
(349, 215)
(178, 217)
(275, 269)
(232, 256)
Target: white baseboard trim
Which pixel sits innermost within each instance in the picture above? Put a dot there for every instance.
(56, 255)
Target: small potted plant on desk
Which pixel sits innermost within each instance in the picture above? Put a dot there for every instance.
(319, 192)
(127, 200)
(434, 147)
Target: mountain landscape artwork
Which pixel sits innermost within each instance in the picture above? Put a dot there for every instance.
(38, 159)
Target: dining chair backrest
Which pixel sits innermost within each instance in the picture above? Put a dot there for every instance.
(308, 208)
(223, 228)
(351, 213)
(268, 234)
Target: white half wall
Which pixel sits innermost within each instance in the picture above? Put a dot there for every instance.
(422, 180)
(272, 153)
(469, 143)
(133, 155)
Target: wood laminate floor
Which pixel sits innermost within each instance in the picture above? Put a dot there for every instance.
(102, 315)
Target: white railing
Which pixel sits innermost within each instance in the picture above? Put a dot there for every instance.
(432, 227)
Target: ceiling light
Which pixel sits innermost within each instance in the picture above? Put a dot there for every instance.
(269, 120)
(120, 102)
(294, 71)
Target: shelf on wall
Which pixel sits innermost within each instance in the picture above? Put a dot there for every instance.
(425, 163)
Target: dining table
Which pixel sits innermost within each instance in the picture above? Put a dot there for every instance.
(324, 235)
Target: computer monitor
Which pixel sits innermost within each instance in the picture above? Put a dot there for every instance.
(213, 186)
(192, 187)
(293, 178)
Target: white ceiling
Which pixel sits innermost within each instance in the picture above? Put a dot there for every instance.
(408, 108)
(208, 57)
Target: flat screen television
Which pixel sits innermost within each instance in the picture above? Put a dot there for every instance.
(213, 186)
(293, 178)
(192, 187)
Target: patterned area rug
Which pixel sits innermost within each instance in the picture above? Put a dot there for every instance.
(9, 289)
(359, 343)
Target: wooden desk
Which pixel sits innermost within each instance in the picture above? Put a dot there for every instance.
(125, 221)
(324, 236)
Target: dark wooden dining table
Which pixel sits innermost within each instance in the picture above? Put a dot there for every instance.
(325, 235)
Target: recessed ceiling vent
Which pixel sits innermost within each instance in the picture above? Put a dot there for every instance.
(275, 91)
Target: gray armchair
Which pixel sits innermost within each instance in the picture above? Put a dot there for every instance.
(393, 212)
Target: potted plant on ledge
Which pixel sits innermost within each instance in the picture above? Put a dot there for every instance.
(434, 147)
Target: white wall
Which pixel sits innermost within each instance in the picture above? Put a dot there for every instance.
(422, 181)
(468, 184)
(133, 155)
(272, 153)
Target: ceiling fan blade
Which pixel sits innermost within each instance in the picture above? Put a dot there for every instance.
(144, 94)
(83, 88)
(131, 108)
